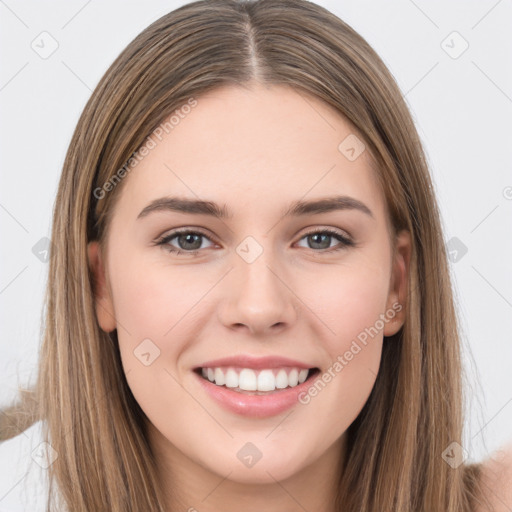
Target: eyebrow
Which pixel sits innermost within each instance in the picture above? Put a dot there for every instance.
(296, 209)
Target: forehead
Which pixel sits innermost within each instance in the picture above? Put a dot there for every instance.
(261, 147)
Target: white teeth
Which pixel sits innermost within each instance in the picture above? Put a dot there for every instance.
(247, 379)
(266, 381)
(219, 377)
(293, 378)
(231, 379)
(281, 379)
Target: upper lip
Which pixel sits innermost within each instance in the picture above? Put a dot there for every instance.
(256, 363)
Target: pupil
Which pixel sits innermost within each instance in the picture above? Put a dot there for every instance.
(187, 240)
(319, 235)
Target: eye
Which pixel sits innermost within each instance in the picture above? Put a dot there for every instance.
(322, 238)
(189, 242)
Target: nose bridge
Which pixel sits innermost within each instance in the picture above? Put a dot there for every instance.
(260, 288)
(257, 296)
(258, 278)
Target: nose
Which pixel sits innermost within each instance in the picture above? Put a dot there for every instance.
(258, 298)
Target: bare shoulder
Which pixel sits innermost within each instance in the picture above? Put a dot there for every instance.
(497, 480)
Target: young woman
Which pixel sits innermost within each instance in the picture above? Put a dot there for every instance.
(249, 303)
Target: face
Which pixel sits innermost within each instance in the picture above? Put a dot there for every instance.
(262, 297)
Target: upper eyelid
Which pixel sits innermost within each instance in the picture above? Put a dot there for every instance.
(182, 231)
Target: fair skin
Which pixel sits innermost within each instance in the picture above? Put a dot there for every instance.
(497, 481)
(255, 152)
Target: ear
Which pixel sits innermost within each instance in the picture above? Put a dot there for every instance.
(397, 295)
(102, 296)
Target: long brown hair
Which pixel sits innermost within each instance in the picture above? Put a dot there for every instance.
(394, 452)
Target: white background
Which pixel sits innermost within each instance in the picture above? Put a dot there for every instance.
(462, 108)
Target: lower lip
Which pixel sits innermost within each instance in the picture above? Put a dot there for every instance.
(256, 406)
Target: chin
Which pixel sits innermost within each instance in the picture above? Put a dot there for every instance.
(263, 465)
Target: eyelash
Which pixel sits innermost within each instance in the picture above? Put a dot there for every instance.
(164, 241)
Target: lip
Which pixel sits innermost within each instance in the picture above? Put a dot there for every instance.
(256, 406)
(255, 363)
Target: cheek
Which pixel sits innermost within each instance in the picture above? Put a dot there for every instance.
(352, 306)
(154, 301)
(353, 299)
